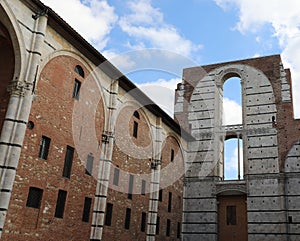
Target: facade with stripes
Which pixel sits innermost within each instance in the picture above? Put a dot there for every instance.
(262, 202)
(84, 153)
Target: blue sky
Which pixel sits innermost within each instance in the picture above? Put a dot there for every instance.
(200, 32)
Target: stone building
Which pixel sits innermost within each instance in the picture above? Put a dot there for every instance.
(84, 154)
(264, 202)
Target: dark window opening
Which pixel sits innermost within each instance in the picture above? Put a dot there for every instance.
(116, 176)
(160, 195)
(136, 115)
(130, 187)
(108, 216)
(157, 225)
(34, 197)
(89, 165)
(79, 70)
(143, 190)
(127, 218)
(86, 209)
(60, 204)
(44, 147)
(170, 202)
(178, 230)
(172, 155)
(231, 215)
(135, 129)
(168, 227)
(76, 89)
(290, 219)
(68, 162)
(143, 222)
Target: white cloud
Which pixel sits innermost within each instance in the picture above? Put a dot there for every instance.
(146, 23)
(93, 19)
(232, 112)
(231, 163)
(162, 92)
(284, 17)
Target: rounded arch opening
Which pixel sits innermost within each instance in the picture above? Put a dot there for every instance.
(7, 69)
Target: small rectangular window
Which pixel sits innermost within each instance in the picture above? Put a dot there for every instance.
(116, 176)
(143, 189)
(127, 218)
(231, 215)
(172, 155)
(135, 129)
(109, 212)
(168, 228)
(34, 197)
(130, 187)
(68, 162)
(157, 225)
(89, 165)
(86, 209)
(178, 230)
(160, 195)
(76, 89)
(170, 202)
(44, 147)
(60, 204)
(143, 222)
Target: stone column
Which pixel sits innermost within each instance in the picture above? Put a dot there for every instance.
(155, 182)
(104, 168)
(17, 115)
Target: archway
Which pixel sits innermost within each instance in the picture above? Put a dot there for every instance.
(7, 63)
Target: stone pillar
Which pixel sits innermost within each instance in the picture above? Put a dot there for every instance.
(155, 182)
(17, 115)
(104, 168)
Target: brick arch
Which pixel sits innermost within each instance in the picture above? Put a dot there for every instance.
(85, 116)
(171, 171)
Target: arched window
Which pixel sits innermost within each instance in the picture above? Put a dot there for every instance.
(136, 116)
(79, 70)
(233, 119)
(232, 101)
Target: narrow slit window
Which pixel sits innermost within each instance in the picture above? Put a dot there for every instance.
(60, 204)
(170, 202)
(143, 222)
(68, 162)
(76, 89)
(143, 189)
(86, 209)
(160, 195)
(116, 176)
(157, 225)
(172, 155)
(135, 129)
(168, 228)
(44, 147)
(108, 216)
(130, 187)
(89, 165)
(178, 229)
(127, 218)
(34, 197)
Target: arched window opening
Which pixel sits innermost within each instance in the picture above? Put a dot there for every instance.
(136, 115)
(79, 70)
(233, 159)
(232, 102)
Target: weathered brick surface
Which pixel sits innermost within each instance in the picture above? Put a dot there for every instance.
(52, 116)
